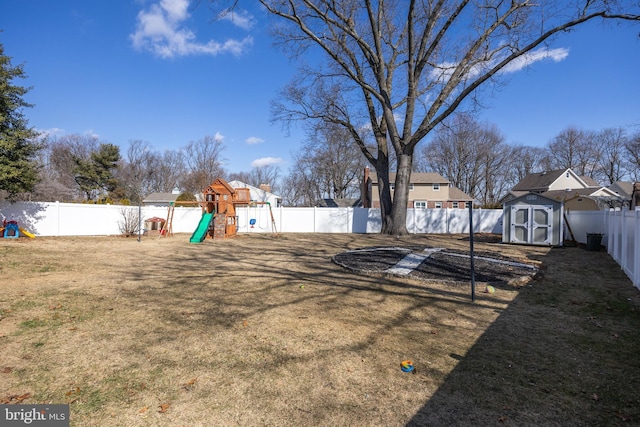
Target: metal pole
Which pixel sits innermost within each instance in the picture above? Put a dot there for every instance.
(139, 222)
(473, 272)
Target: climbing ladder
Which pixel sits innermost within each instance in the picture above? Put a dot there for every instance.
(273, 221)
(167, 227)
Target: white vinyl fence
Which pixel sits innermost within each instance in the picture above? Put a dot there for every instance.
(361, 220)
(623, 231)
(621, 235)
(72, 219)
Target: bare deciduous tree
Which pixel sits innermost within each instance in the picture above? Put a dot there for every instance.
(129, 223)
(402, 67)
(59, 165)
(168, 171)
(204, 162)
(471, 155)
(576, 149)
(611, 146)
(632, 156)
(526, 160)
(260, 175)
(136, 171)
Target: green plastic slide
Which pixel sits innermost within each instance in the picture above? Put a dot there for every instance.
(201, 232)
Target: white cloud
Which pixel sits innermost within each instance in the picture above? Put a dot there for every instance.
(239, 18)
(161, 30)
(218, 137)
(444, 70)
(254, 140)
(556, 55)
(50, 132)
(266, 161)
(176, 9)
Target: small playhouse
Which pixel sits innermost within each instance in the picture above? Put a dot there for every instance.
(220, 200)
(533, 219)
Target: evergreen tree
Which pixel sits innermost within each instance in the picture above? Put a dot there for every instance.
(95, 175)
(18, 144)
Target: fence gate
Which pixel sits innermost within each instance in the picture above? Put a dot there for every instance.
(532, 224)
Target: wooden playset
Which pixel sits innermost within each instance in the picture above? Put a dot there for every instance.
(219, 218)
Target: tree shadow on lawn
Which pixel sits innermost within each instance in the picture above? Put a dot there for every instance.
(225, 295)
(539, 363)
(565, 352)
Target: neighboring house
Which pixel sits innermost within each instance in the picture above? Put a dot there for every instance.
(261, 194)
(426, 191)
(564, 185)
(622, 188)
(161, 199)
(630, 191)
(635, 196)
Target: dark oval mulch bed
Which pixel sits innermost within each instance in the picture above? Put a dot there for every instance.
(371, 260)
(443, 266)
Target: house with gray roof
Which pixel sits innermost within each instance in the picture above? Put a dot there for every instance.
(564, 185)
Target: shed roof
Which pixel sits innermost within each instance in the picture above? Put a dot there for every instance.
(161, 198)
(531, 193)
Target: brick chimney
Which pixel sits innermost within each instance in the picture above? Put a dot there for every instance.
(265, 187)
(366, 186)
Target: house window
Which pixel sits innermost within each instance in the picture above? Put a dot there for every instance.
(454, 205)
(420, 205)
(438, 205)
(436, 187)
(392, 187)
(410, 187)
(467, 205)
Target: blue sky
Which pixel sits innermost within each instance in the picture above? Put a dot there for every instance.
(158, 71)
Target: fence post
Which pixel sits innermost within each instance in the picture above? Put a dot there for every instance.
(447, 218)
(636, 248)
(617, 230)
(607, 229)
(57, 218)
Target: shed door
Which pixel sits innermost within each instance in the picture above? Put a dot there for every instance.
(532, 224)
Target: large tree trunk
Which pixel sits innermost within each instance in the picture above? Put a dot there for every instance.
(384, 191)
(396, 224)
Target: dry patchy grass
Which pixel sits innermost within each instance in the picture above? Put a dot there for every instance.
(259, 330)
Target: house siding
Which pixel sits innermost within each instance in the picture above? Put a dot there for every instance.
(563, 182)
(422, 191)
